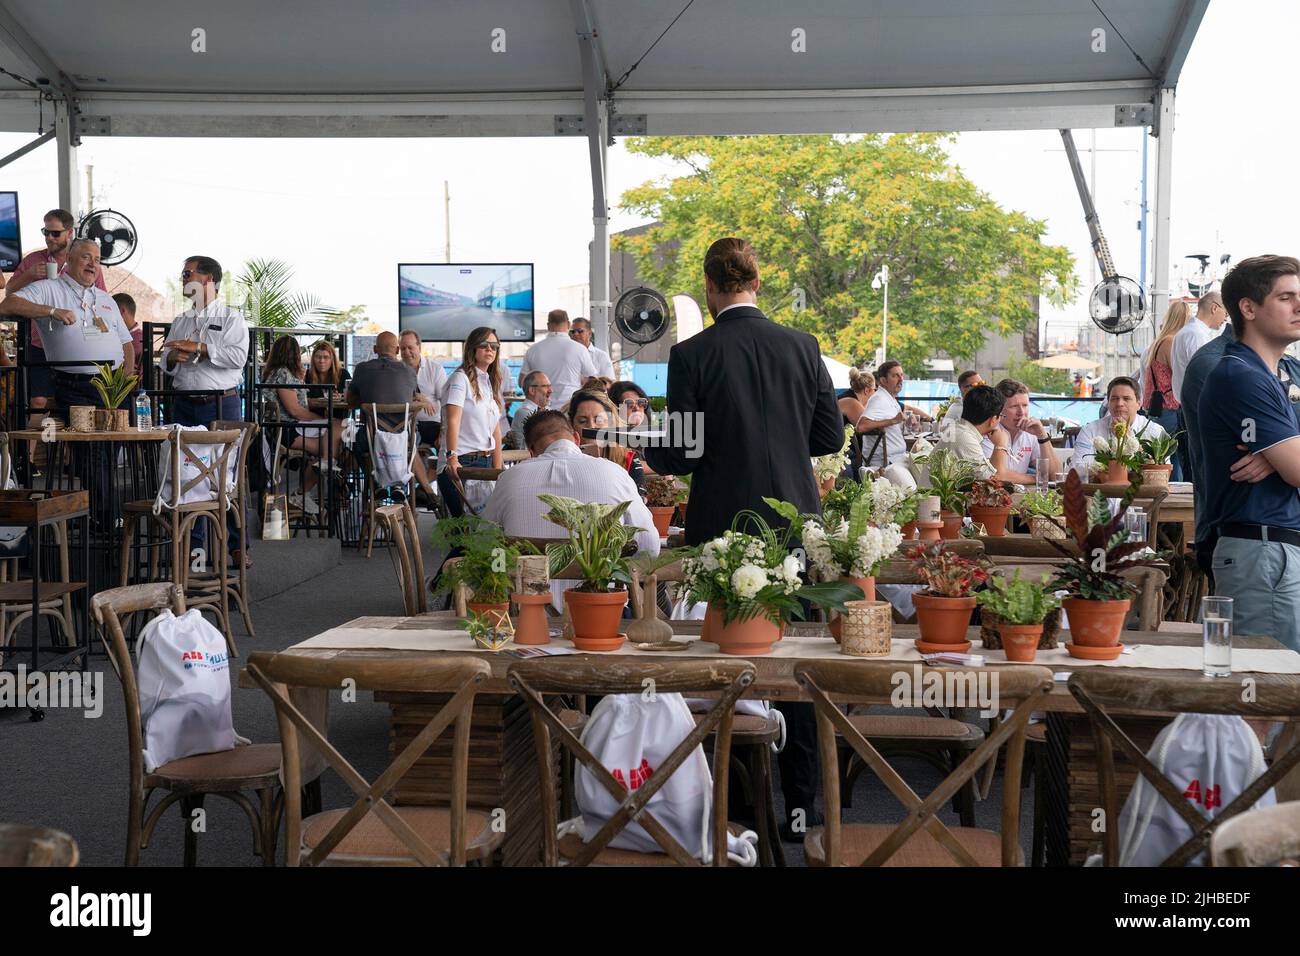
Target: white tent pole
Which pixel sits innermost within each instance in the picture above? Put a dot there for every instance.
(67, 156)
(595, 103)
(1164, 132)
(600, 305)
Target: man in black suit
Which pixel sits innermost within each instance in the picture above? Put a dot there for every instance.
(767, 407)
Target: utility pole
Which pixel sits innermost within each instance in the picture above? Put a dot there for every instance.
(446, 211)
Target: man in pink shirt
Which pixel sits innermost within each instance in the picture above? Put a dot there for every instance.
(58, 233)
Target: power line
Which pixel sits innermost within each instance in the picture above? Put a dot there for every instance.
(1150, 72)
(622, 79)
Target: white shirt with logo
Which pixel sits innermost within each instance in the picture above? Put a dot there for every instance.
(1022, 451)
(98, 334)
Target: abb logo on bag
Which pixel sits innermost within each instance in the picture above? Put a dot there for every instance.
(200, 659)
(1209, 799)
(638, 775)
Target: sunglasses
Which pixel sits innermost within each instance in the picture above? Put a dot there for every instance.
(52, 233)
(636, 403)
(186, 274)
(494, 346)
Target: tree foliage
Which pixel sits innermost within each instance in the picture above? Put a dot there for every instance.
(825, 212)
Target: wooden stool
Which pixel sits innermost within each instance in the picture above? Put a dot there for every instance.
(752, 740)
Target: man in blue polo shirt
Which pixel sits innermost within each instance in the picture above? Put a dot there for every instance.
(1244, 406)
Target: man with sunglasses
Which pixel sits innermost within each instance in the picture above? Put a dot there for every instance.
(58, 233)
(537, 391)
(582, 334)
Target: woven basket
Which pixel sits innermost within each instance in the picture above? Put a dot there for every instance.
(81, 418)
(993, 640)
(867, 630)
(1041, 526)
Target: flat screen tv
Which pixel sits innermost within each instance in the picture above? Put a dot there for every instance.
(11, 250)
(444, 302)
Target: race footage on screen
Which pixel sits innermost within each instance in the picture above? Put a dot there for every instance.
(445, 302)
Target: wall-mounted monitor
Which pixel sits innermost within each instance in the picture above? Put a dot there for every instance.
(11, 249)
(444, 302)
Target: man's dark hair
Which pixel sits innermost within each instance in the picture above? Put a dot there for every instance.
(124, 301)
(586, 323)
(982, 403)
(208, 266)
(1124, 380)
(1253, 279)
(543, 423)
(966, 376)
(886, 368)
(64, 217)
(1010, 388)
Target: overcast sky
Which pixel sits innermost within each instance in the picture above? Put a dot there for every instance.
(345, 212)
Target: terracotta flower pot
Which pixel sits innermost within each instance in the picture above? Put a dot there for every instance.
(1157, 475)
(1096, 623)
(597, 616)
(1117, 473)
(930, 530)
(952, 523)
(943, 620)
(994, 520)
(706, 629)
(663, 517)
(1020, 641)
(868, 586)
(825, 487)
(480, 607)
(746, 638)
(531, 627)
(909, 530)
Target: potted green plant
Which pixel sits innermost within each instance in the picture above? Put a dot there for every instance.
(949, 476)
(1156, 455)
(661, 497)
(1018, 609)
(1042, 511)
(487, 561)
(1099, 596)
(751, 583)
(943, 610)
(1118, 455)
(990, 505)
(597, 540)
(490, 630)
(114, 385)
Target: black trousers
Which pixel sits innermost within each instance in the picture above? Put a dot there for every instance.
(798, 762)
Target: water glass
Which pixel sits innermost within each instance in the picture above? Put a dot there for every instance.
(1135, 523)
(1043, 475)
(1216, 635)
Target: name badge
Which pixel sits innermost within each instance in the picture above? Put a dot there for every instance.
(214, 328)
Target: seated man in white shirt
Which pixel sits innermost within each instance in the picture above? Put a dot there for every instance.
(1122, 404)
(980, 412)
(559, 467)
(1028, 442)
(537, 390)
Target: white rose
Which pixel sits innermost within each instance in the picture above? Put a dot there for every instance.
(790, 568)
(748, 580)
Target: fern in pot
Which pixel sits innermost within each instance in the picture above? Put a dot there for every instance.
(597, 541)
(486, 564)
(1016, 610)
(1042, 511)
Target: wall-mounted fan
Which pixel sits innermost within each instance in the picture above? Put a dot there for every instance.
(641, 315)
(115, 234)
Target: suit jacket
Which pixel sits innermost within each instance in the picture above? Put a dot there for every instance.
(767, 408)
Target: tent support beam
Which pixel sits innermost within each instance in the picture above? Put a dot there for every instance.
(1164, 132)
(67, 153)
(22, 151)
(595, 112)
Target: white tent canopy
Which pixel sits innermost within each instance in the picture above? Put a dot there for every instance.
(592, 68)
(839, 372)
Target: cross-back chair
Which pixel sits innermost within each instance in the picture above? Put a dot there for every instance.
(372, 415)
(1264, 837)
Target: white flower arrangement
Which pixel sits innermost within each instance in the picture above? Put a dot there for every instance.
(833, 554)
(744, 575)
(829, 466)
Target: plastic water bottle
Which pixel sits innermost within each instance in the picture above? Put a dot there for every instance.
(143, 413)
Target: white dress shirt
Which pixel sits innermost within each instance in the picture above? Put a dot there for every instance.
(1187, 343)
(478, 417)
(1022, 451)
(604, 364)
(84, 340)
(881, 407)
(566, 363)
(1082, 457)
(564, 470)
(431, 380)
(225, 333)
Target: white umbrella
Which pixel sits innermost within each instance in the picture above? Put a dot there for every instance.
(1067, 360)
(839, 371)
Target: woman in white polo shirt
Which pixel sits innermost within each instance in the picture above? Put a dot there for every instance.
(471, 432)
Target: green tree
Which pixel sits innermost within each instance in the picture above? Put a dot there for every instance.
(825, 212)
(1049, 381)
(262, 292)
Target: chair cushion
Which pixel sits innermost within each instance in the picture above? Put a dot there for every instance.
(570, 846)
(921, 727)
(225, 769)
(858, 840)
(574, 720)
(373, 841)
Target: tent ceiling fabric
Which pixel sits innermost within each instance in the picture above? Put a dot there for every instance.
(415, 67)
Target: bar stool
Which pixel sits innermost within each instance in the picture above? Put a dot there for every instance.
(190, 470)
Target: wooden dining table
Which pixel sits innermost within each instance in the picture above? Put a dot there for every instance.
(500, 726)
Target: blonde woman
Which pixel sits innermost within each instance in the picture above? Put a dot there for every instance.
(1157, 378)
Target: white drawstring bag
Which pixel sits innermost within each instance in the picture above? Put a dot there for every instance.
(632, 736)
(1212, 758)
(190, 469)
(184, 682)
(393, 455)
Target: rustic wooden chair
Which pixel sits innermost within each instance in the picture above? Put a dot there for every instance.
(372, 832)
(404, 537)
(532, 679)
(238, 588)
(227, 773)
(833, 683)
(372, 415)
(22, 845)
(1148, 498)
(211, 588)
(1099, 689)
(1264, 837)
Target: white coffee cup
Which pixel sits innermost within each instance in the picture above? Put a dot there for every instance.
(51, 270)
